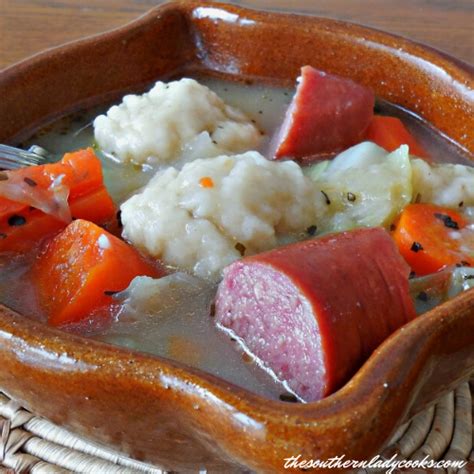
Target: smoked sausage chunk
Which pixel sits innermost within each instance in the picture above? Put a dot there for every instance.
(327, 114)
(313, 312)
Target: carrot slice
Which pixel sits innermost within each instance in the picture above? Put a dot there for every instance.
(390, 133)
(80, 268)
(96, 207)
(81, 172)
(432, 237)
(22, 224)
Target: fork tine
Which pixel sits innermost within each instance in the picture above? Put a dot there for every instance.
(21, 160)
(13, 158)
(9, 165)
(15, 153)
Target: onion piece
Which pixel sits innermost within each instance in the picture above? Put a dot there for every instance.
(52, 201)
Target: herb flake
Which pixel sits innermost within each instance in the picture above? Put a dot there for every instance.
(30, 182)
(326, 197)
(110, 292)
(16, 220)
(447, 221)
(240, 248)
(416, 247)
(422, 296)
(288, 397)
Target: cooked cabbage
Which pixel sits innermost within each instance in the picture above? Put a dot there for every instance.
(364, 186)
(431, 290)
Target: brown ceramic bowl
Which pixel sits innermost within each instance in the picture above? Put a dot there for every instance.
(162, 411)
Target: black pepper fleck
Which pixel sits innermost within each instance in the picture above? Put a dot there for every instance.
(461, 204)
(260, 111)
(326, 197)
(422, 296)
(416, 247)
(16, 220)
(240, 248)
(447, 221)
(110, 292)
(212, 310)
(351, 197)
(288, 397)
(213, 141)
(311, 230)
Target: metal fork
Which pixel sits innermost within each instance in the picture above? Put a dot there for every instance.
(12, 158)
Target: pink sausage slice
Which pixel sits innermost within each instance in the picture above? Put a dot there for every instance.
(314, 311)
(328, 114)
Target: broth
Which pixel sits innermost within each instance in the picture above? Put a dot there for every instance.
(186, 333)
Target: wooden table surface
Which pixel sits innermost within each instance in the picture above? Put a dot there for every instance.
(29, 26)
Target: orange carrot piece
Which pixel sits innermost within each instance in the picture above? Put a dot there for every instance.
(86, 172)
(81, 170)
(96, 207)
(80, 268)
(390, 133)
(23, 238)
(432, 237)
(206, 182)
(88, 199)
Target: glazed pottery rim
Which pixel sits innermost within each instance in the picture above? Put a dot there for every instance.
(39, 55)
(464, 70)
(79, 347)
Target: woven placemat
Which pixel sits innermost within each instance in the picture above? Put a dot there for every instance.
(31, 444)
